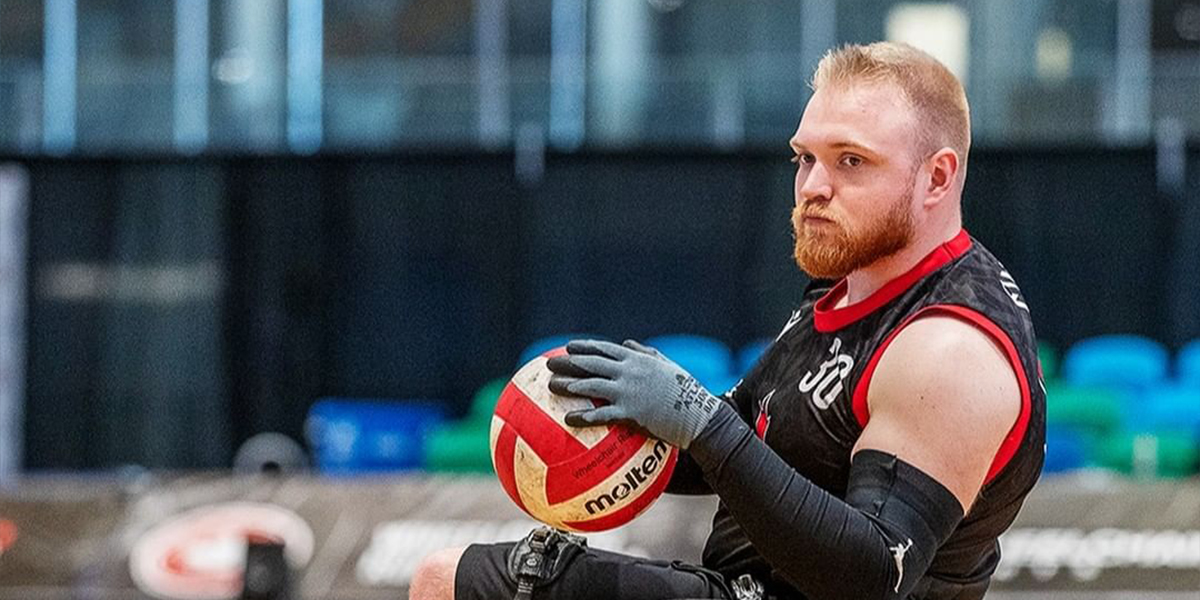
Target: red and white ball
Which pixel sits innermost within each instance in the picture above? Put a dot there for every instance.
(572, 478)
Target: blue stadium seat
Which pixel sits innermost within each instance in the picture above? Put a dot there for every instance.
(1167, 407)
(749, 354)
(1187, 363)
(1066, 449)
(708, 360)
(1128, 362)
(352, 436)
(719, 384)
(537, 347)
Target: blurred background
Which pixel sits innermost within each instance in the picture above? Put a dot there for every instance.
(317, 237)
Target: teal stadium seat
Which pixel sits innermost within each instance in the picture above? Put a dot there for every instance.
(1187, 363)
(1127, 362)
(750, 353)
(718, 385)
(709, 360)
(539, 346)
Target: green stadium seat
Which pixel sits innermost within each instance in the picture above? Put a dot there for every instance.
(1145, 455)
(1049, 359)
(483, 403)
(1091, 409)
(463, 446)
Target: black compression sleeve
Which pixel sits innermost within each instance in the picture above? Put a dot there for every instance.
(688, 479)
(885, 532)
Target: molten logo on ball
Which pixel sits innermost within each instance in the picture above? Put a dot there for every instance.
(576, 478)
(634, 478)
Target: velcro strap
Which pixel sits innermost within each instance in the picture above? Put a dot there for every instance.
(540, 558)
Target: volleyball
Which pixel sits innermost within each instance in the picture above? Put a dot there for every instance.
(573, 478)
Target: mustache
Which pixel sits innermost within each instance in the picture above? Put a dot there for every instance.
(811, 212)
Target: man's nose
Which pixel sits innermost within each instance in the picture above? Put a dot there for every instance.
(813, 186)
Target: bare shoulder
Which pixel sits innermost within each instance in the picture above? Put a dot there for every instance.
(943, 397)
(945, 352)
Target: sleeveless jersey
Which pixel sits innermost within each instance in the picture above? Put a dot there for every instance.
(807, 398)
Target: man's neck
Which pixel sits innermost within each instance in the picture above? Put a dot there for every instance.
(866, 281)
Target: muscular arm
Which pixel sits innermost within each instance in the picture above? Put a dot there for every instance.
(942, 399)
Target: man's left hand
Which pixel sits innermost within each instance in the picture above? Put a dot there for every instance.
(640, 384)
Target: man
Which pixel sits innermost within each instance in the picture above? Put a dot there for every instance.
(889, 435)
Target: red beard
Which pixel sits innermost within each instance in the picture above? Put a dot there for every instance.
(832, 251)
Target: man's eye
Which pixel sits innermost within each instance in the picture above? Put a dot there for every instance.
(803, 159)
(852, 161)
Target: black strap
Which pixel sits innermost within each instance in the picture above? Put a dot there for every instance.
(540, 558)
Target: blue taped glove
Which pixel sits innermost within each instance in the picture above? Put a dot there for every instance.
(640, 384)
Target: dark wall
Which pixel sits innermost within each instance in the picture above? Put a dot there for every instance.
(126, 344)
(1086, 235)
(424, 276)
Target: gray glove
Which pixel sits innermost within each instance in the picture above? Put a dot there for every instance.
(640, 384)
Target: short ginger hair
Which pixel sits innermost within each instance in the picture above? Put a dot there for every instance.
(934, 93)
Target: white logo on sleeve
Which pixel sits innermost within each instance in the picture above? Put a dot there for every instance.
(795, 318)
(1010, 287)
(898, 552)
(826, 384)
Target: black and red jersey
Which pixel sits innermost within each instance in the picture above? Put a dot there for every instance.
(807, 397)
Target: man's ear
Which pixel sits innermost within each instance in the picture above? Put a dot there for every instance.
(943, 169)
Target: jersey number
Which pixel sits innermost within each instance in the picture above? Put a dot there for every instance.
(826, 384)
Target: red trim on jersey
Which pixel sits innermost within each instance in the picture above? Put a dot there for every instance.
(1012, 441)
(827, 318)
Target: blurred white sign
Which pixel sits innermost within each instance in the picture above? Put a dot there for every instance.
(940, 28)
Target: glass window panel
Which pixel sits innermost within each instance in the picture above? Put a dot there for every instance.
(21, 41)
(249, 75)
(1042, 108)
(692, 73)
(411, 73)
(400, 73)
(529, 62)
(125, 62)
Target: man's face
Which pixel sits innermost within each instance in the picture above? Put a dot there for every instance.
(855, 179)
